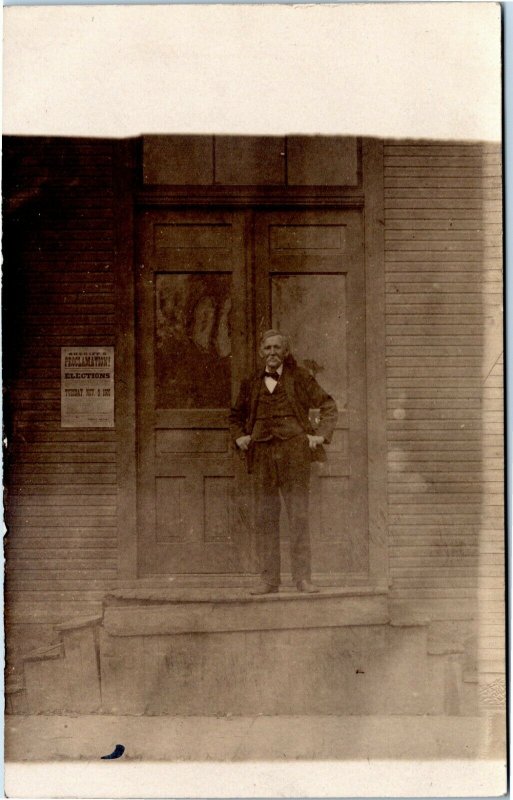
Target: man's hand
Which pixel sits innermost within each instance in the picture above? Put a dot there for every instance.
(243, 442)
(313, 441)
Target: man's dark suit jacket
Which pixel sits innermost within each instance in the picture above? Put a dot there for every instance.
(303, 393)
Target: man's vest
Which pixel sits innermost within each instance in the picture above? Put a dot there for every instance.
(275, 417)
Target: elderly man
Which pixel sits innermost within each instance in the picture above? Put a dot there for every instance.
(270, 422)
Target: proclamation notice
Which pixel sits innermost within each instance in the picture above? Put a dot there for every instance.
(87, 387)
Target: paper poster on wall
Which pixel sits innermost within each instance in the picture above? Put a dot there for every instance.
(87, 387)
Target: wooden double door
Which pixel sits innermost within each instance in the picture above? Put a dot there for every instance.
(208, 283)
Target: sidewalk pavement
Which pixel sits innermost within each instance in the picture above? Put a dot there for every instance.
(252, 738)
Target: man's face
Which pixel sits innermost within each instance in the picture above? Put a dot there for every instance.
(273, 349)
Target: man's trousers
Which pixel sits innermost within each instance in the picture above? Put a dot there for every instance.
(282, 466)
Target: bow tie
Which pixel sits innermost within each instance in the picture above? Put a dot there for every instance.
(274, 375)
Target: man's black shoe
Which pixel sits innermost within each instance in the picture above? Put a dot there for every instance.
(264, 588)
(307, 587)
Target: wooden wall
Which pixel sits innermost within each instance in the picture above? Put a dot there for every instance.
(443, 263)
(491, 585)
(59, 250)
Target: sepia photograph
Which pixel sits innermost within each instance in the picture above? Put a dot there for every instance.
(253, 432)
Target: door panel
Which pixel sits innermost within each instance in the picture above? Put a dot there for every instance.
(193, 335)
(311, 285)
(193, 348)
(311, 307)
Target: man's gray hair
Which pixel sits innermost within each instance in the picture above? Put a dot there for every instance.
(273, 332)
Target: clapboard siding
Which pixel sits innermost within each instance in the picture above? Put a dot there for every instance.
(491, 650)
(59, 287)
(443, 264)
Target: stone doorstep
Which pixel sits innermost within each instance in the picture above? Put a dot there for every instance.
(14, 685)
(45, 653)
(78, 623)
(131, 594)
(158, 612)
(54, 651)
(155, 614)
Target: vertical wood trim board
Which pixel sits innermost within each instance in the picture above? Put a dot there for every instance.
(124, 180)
(372, 157)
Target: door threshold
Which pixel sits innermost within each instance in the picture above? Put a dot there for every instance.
(193, 594)
(241, 581)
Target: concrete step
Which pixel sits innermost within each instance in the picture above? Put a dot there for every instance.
(81, 646)
(45, 680)
(159, 653)
(15, 696)
(65, 677)
(332, 653)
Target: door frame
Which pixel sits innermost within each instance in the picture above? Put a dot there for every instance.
(371, 199)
